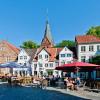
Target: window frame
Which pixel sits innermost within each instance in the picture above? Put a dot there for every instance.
(91, 48)
(69, 54)
(25, 57)
(63, 55)
(46, 56)
(83, 48)
(46, 64)
(98, 47)
(51, 64)
(21, 57)
(83, 59)
(40, 56)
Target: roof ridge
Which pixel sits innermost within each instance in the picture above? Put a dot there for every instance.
(87, 39)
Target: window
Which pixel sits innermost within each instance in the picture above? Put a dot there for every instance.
(51, 64)
(57, 64)
(7, 59)
(68, 55)
(90, 58)
(24, 64)
(25, 57)
(91, 48)
(40, 56)
(2, 48)
(65, 49)
(68, 62)
(46, 56)
(98, 74)
(46, 65)
(21, 57)
(63, 62)
(40, 65)
(62, 55)
(83, 48)
(35, 65)
(98, 47)
(83, 58)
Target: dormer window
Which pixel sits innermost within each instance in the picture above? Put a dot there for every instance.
(65, 49)
(40, 56)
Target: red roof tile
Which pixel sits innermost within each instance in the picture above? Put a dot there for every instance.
(87, 39)
(15, 49)
(59, 50)
(52, 52)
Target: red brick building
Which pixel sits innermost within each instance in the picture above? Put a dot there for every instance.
(8, 53)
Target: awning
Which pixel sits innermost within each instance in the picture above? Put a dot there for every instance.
(10, 65)
(82, 66)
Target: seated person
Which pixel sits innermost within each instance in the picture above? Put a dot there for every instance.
(69, 83)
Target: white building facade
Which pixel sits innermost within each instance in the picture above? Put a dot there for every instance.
(87, 47)
(24, 59)
(43, 65)
(65, 56)
(87, 51)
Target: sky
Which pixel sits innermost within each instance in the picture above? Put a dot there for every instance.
(22, 20)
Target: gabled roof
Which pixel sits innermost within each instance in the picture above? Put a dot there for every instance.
(59, 50)
(15, 49)
(40, 49)
(87, 39)
(30, 52)
(51, 51)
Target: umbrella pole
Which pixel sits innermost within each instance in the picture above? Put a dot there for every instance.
(77, 71)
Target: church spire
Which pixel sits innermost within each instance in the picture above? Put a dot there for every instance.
(47, 41)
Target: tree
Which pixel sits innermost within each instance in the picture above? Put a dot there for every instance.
(94, 31)
(29, 45)
(96, 60)
(67, 43)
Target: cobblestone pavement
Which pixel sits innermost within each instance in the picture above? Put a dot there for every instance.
(81, 93)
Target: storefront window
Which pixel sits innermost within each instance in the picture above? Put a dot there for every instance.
(98, 74)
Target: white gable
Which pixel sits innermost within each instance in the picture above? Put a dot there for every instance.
(42, 56)
(23, 53)
(65, 50)
(23, 57)
(43, 51)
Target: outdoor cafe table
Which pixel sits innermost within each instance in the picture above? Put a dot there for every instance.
(60, 84)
